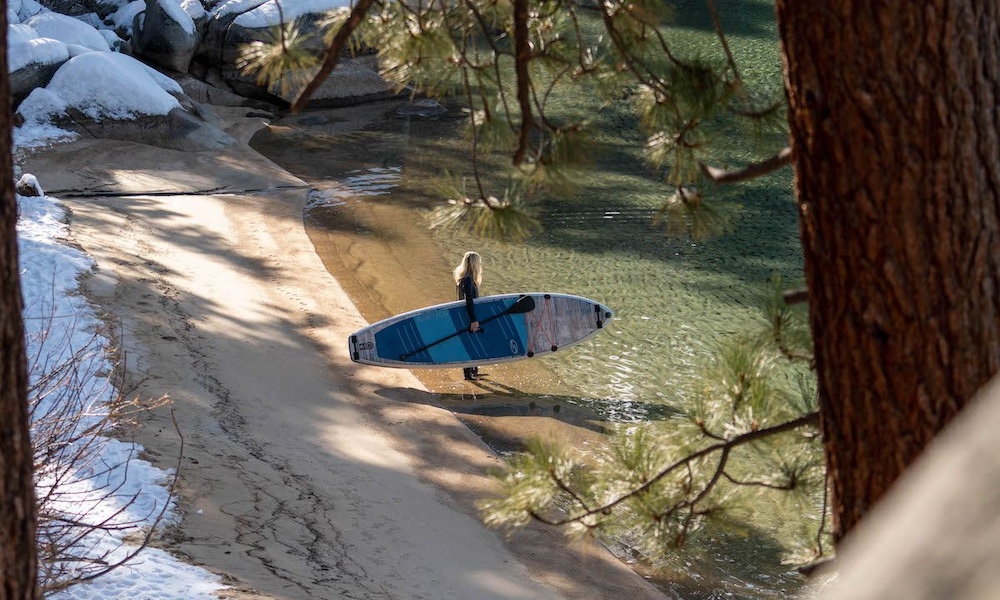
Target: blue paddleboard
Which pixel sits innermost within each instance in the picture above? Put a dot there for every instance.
(512, 327)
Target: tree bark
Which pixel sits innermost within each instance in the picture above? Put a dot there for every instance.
(18, 566)
(893, 119)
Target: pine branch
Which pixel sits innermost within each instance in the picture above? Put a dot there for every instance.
(358, 13)
(717, 23)
(632, 62)
(522, 55)
(751, 171)
(475, 135)
(724, 448)
(764, 484)
(484, 27)
(796, 296)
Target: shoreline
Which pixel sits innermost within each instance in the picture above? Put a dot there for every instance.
(226, 307)
(383, 254)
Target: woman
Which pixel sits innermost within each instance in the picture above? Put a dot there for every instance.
(468, 276)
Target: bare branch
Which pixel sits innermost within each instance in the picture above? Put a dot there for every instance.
(751, 171)
(796, 296)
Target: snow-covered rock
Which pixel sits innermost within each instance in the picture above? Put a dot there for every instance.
(166, 34)
(67, 30)
(114, 96)
(32, 63)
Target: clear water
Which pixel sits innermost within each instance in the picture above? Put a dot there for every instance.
(675, 300)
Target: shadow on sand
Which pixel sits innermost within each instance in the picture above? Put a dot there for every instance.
(507, 418)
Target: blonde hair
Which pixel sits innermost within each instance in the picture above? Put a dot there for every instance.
(472, 264)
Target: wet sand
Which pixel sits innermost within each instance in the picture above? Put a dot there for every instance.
(303, 475)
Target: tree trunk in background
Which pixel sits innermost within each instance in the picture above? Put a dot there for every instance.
(893, 117)
(18, 566)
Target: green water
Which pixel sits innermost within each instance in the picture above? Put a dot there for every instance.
(675, 299)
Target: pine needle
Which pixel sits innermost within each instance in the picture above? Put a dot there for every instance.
(283, 61)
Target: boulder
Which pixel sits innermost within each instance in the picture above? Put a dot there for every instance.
(236, 23)
(105, 8)
(177, 130)
(165, 34)
(936, 533)
(352, 82)
(28, 186)
(123, 19)
(68, 30)
(206, 93)
(31, 59)
(114, 96)
(32, 63)
(214, 41)
(425, 108)
(66, 7)
(13, 11)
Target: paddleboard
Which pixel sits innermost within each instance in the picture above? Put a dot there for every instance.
(512, 327)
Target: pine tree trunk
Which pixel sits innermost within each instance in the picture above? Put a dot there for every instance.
(893, 118)
(17, 493)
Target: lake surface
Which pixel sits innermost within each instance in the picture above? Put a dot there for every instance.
(675, 299)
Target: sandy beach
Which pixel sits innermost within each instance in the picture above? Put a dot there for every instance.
(303, 475)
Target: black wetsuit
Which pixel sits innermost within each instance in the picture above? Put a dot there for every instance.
(469, 291)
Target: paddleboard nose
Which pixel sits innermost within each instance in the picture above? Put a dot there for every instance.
(604, 314)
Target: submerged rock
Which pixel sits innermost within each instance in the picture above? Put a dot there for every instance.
(426, 108)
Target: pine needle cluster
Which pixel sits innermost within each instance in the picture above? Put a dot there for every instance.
(751, 436)
(521, 67)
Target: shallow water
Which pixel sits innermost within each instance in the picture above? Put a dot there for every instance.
(674, 300)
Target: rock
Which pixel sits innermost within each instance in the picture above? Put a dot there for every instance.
(936, 533)
(115, 43)
(165, 34)
(204, 92)
(32, 64)
(425, 108)
(241, 22)
(28, 186)
(68, 30)
(110, 95)
(124, 18)
(66, 7)
(354, 81)
(13, 10)
(105, 8)
(177, 130)
(214, 41)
